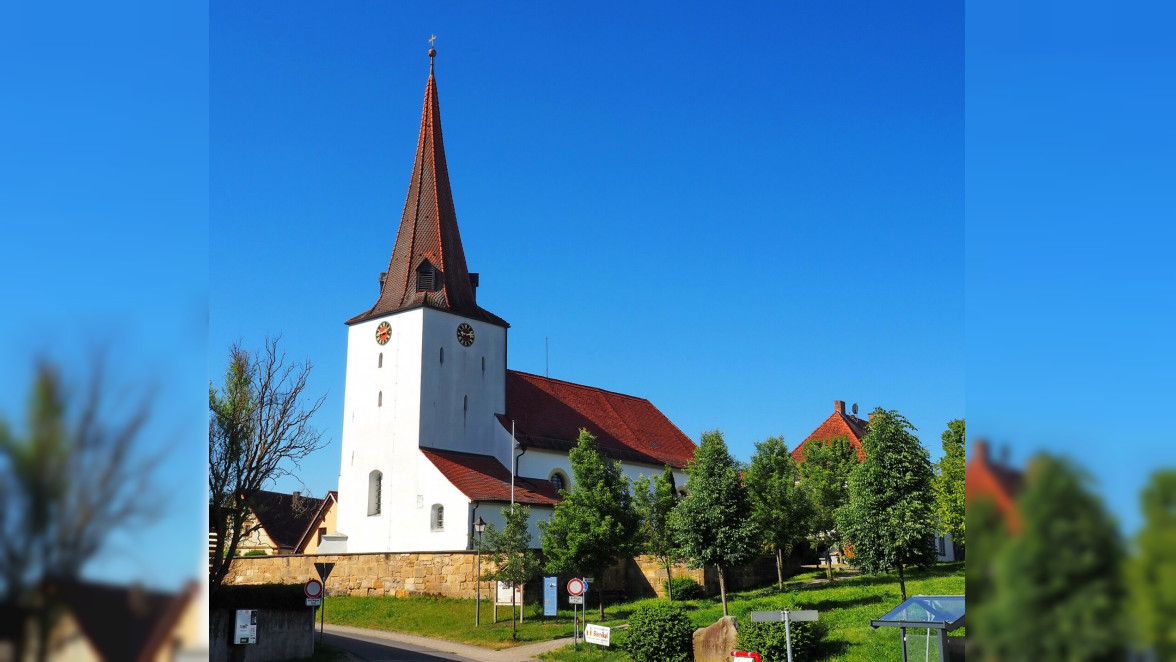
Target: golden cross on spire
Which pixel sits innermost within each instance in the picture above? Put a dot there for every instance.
(431, 40)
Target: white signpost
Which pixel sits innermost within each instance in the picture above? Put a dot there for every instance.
(597, 634)
(576, 589)
(787, 616)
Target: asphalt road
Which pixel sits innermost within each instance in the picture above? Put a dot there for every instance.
(382, 650)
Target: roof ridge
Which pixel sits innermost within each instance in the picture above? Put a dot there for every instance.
(583, 386)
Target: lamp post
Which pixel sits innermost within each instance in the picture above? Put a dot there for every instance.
(479, 527)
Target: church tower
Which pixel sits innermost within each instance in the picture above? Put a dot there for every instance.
(426, 367)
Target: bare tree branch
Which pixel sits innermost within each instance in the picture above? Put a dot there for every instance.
(259, 426)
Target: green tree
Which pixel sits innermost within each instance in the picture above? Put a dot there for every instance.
(949, 482)
(781, 508)
(596, 523)
(655, 507)
(1154, 571)
(824, 475)
(1057, 586)
(259, 426)
(714, 522)
(890, 517)
(510, 554)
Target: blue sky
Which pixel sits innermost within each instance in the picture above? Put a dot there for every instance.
(741, 214)
(1069, 173)
(738, 212)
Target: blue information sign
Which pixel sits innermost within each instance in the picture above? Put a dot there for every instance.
(550, 595)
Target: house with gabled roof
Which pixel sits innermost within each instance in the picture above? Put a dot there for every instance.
(280, 523)
(839, 424)
(437, 431)
(988, 477)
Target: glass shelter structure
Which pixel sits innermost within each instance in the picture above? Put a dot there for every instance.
(941, 613)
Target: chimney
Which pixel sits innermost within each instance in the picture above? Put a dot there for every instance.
(839, 406)
(981, 450)
(870, 417)
(383, 277)
(474, 284)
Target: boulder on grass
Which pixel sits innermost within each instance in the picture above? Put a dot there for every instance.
(715, 643)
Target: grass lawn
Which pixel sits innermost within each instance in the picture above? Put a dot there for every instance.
(846, 607)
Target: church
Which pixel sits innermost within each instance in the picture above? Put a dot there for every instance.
(437, 431)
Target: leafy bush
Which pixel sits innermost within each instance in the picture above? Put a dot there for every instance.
(256, 552)
(660, 632)
(685, 588)
(769, 640)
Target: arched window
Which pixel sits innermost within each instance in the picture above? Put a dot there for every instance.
(443, 355)
(380, 363)
(380, 399)
(438, 518)
(558, 480)
(375, 488)
(682, 493)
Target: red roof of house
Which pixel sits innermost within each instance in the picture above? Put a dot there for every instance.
(1002, 483)
(839, 424)
(428, 231)
(548, 413)
(483, 478)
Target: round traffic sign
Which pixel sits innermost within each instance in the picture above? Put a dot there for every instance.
(313, 588)
(575, 587)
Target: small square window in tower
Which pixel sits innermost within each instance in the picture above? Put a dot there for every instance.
(429, 278)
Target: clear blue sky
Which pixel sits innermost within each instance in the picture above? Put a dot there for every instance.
(1070, 178)
(739, 213)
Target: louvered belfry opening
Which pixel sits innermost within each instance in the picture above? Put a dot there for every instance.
(429, 278)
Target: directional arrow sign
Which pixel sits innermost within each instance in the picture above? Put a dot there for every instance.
(781, 616)
(324, 570)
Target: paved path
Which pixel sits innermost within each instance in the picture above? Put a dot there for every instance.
(383, 646)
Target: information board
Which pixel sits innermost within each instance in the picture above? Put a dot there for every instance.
(246, 630)
(550, 596)
(502, 595)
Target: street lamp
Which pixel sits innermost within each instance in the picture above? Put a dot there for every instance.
(479, 527)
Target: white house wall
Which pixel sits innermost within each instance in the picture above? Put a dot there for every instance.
(459, 398)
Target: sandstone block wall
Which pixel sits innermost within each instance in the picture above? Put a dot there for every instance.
(454, 574)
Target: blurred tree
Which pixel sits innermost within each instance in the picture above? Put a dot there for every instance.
(781, 508)
(949, 482)
(714, 522)
(655, 507)
(824, 476)
(1057, 589)
(510, 554)
(1154, 571)
(258, 426)
(73, 478)
(890, 517)
(596, 523)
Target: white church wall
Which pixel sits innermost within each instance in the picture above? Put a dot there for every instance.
(537, 463)
(381, 420)
(461, 388)
(491, 512)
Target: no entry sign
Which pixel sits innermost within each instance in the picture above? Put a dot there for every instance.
(313, 588)
(575, 587)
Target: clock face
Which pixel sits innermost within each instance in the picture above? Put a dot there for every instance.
(383, 333)
(465, 334)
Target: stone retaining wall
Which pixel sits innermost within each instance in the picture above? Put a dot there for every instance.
(453, 574)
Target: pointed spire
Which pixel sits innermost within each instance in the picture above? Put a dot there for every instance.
(428, 266)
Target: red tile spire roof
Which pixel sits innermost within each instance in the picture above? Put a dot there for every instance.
(428, 240)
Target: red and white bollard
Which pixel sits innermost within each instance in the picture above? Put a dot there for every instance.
(754, 656)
